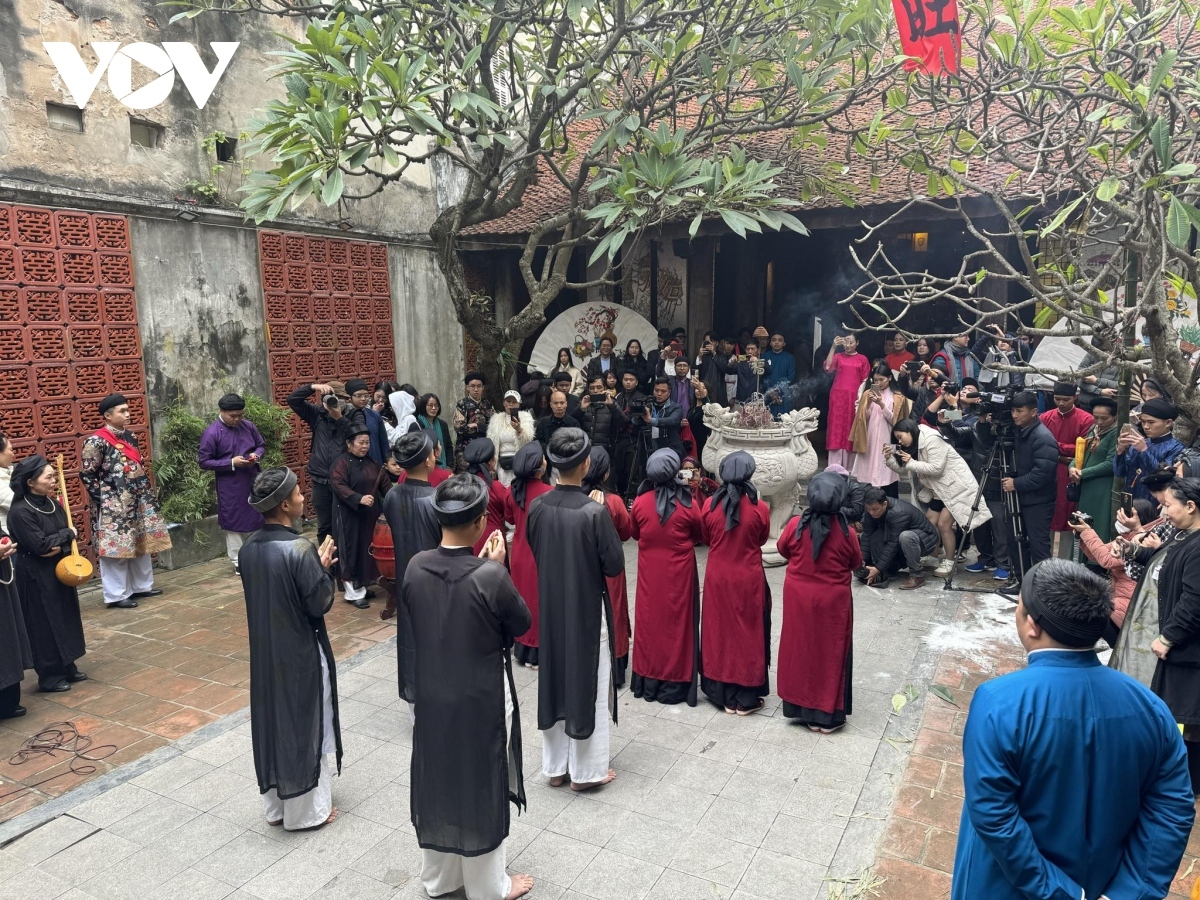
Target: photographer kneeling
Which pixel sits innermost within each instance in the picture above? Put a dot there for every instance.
(894, 533)
(941, 479)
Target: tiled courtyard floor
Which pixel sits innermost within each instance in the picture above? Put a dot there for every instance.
(156, 673)
(705, 806)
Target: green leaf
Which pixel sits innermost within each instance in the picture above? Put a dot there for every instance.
(1179, 224)
(942, 693)
(332, 190)
(1181, 170)
(1061, 217)
(899, 701)
(1108, 188)
(1165, 62)
(1160, 137)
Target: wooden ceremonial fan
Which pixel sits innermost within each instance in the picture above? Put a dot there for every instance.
(72, 570)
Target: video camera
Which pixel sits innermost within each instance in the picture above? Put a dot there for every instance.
(997, 403)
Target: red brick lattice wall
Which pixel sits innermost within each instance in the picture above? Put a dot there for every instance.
(68, 333)
(329, 316)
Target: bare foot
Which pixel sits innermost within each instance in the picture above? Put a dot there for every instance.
(594, 784)
(521, 885)
(333, 814)
(558, 780)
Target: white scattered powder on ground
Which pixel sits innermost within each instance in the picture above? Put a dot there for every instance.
(988, 622)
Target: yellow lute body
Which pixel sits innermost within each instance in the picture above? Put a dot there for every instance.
(72, 570)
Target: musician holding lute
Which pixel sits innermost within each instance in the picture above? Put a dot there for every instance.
(37, 523)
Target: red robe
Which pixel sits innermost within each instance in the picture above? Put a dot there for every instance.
(734, 647)
(818, 618)
(667, 613)
(1065, 429)
(618, 593)
(521, 563)
(497, 495)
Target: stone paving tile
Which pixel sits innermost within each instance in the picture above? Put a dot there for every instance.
(158, 673)
(613, 876)
(704, 806)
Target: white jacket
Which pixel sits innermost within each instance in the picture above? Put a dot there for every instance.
(507, 441)
(404, 405)
(939, 472)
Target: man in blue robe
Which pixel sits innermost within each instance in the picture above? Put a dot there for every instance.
(1076, 777)
(783, 373)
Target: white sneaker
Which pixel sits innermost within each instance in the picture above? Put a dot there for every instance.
(931, 562)
(945, 568)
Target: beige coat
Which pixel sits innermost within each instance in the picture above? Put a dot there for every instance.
(939, 472)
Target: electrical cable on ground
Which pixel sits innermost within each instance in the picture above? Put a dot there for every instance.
(65, 737)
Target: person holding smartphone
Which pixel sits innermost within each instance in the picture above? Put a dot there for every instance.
(849, 369)
(232, 449)
(1142, 449)
(880, 408)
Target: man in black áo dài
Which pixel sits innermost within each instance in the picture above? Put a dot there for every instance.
(466, 758)
(293, 679)
(409, 510)
(576, 546)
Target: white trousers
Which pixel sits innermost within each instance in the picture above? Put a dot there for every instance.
(233, 543)
(354, 593)
(483, 877)
(122, 577)
(587, 760)
(312, 808)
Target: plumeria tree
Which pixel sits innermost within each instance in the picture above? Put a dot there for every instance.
(1076, 125)
(636, 112)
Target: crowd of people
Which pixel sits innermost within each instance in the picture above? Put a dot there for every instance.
(507, 529)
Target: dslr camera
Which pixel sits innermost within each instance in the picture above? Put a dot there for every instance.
(1081, 518)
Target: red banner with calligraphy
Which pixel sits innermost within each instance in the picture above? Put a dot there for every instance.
(930, 33)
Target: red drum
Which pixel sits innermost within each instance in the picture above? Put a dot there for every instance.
(383, 550)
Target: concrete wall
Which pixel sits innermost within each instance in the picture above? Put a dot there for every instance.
(103, 158)
(429, 347)
(200, 307)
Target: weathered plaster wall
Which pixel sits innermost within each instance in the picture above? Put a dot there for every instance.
(429, 347)
(200, 306)
(102, 158)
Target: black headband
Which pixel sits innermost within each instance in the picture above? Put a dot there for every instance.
(453, 513)
(1071, 632)
(419, 455)
(277, 496)
(575, 460)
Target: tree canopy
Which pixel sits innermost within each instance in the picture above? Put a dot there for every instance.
(1078, 122)
(642, 112)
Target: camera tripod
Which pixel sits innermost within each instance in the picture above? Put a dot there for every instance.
(1004, 450)
(637, 471)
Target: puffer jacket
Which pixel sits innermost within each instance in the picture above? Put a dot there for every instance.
(937, 471)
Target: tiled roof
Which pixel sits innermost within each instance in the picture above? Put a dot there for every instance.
(546, 196)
